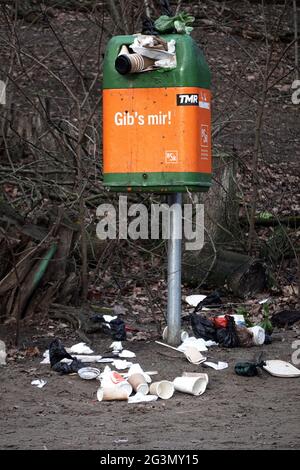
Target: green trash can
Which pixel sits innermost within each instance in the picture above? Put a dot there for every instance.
(157, 124)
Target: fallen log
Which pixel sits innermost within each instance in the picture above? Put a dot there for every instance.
(242, 275)
(292, 221)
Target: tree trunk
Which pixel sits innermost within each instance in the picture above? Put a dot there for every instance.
(217, 264)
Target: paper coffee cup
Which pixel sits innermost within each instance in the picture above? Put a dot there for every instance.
(138, 383)
(163, 389)
(112, 393)
(258, 335)
(114, 379)
(195, 374)
(192, 385)
(183, 334)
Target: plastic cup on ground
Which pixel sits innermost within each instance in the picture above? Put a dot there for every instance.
(138, 383)
(183, 334)
(163, 389)
(191, 385)
(112, 393)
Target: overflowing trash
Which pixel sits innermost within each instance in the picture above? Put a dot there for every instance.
(133, 386)
(230, 330)
(123, 379)
(146, 53)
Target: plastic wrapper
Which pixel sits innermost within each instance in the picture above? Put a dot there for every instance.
(227, 337)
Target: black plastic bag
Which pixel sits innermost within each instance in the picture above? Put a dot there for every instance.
(268, 339)
(202, 327)
(248, 369)
(64, 368)
(118, 329)
(57, 352)
(97, 318)
(212, 299)
(227, 337)
(115, 328)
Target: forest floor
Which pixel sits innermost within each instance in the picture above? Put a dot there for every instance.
(234, 413)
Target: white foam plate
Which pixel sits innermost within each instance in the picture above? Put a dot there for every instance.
(281, 368)
(88, 373)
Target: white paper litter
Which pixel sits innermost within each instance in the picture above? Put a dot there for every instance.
(80, 348)
(198, 343)
(39, 383)
(121, 365)
(211, 343)
(127, 354)
(219, 366)
(194, 300)
(80, 357)
(116, 346)
(145, 46)
(263, 301)
(140, 397)
(109, 318)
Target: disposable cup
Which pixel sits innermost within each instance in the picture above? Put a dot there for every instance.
(191, 385)
(112, 393)
(193, 355)
(117, 380)
(183, 334)
(163, 389)
(138, 383)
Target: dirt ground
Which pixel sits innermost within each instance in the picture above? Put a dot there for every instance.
(234, 413)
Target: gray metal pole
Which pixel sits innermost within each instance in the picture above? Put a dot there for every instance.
(174, 270)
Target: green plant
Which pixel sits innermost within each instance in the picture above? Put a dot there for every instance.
(245, 313)
(266, 322)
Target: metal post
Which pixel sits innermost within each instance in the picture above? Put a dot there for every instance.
(174, 270)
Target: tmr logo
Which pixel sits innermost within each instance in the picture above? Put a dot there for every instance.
(188, 100)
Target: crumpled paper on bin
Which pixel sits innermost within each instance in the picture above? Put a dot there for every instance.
(155, 48)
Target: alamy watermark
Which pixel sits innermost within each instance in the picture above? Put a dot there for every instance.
(296, 93)
(2, 92)
(138, 221)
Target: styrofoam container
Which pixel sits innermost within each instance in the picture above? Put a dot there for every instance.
(88, 373)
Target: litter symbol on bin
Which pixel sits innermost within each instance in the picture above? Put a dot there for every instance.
(171, 156)
(204, 135)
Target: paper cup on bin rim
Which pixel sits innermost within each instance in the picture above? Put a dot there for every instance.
(112, 393)
(191, 385)
(138, 383)
(163, 389)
